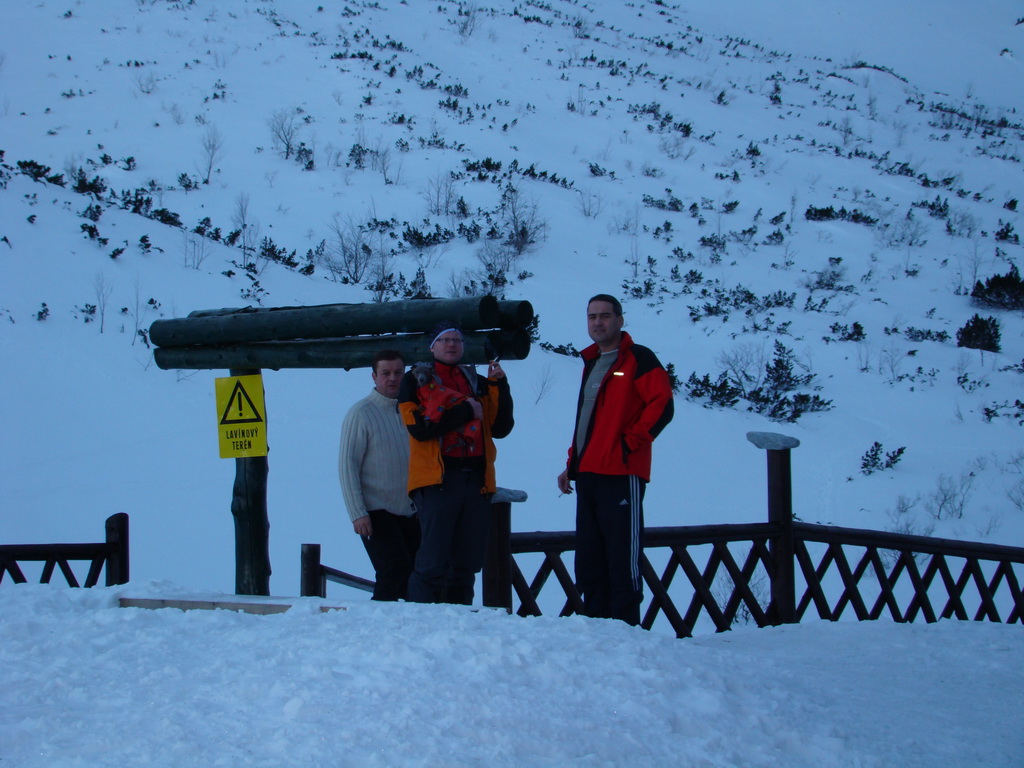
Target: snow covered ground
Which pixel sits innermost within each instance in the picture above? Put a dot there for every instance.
(86, 683)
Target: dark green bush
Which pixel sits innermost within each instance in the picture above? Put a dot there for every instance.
(1000, 291)
(980, 333)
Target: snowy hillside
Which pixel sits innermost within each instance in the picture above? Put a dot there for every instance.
(811, 187)
(796, 187)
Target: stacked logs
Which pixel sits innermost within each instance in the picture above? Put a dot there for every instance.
(338, 335)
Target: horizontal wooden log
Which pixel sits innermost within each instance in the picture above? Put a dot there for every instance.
(331, 321)
(347, 353)
(514, 314)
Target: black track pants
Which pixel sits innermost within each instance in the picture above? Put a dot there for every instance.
(609, 540)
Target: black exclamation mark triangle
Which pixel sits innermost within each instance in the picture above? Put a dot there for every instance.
(241, 400)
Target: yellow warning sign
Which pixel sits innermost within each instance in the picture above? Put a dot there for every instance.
(241, 417)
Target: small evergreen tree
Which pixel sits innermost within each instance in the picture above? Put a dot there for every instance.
(418, 288)
(1000, 291)
(980, 333)
(872, 461)
(775, 396)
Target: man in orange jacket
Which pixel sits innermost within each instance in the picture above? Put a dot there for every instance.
(453, 416)
(625, 402)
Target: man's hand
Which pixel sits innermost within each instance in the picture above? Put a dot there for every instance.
(363, 527)
(563, 482)
(478, 410)
(494, 369)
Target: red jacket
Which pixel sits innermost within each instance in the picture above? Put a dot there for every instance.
(426, 430)
(633, 405)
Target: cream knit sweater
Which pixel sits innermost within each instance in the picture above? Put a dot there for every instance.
(373, 463)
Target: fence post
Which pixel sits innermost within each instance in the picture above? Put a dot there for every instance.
(117, 561)
(252, 524)
(311, 583)
(496, 578)
(780, 515)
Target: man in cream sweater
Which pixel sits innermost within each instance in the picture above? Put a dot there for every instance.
(373, 466)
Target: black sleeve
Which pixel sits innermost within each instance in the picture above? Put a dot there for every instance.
(504, 420)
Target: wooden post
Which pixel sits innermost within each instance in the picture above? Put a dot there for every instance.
(252, 524)
(497, 573)
(311, 584)
(780, 514)
(117, 561)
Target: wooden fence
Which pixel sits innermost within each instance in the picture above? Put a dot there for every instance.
(314, 575)
(730, 574)
(113, 553)
(778, 572)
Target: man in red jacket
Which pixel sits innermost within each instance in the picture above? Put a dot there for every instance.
(625, 401)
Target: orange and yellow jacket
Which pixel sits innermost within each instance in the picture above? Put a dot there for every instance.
(430, 411)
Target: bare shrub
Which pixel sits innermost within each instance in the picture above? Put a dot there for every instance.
(829, 278)
(591, 204)
(950, 497)
(745, 364)
(284, 131)
(1015, 493)
(724, 586)
(103, 291)
(907, 231)
(845, 129)
(136, 309)
(543, 384)
(1014, 464)
(497, 260)
(439, 194)
(146, 83)
(380, 160)
(580, 28)
(652, 171)
(212, 143)
(461, 284)
(969, 267)
(196, 248)
(990, 528)
(890, 363)
(961, 223)
(627, 223)
(249, 230)
(380, 273)
(676, 147)
(904, 521)
(523, 224)
(348, 254)
(73, 166)
(863, 358)
(177, 114)
(468, 20)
